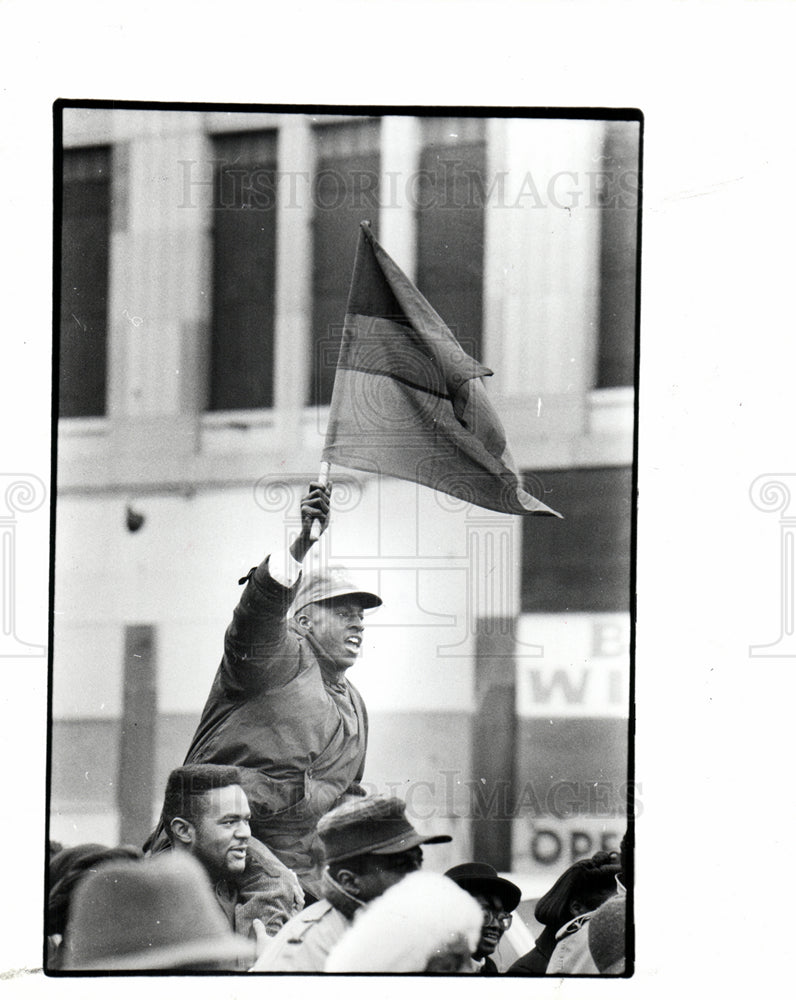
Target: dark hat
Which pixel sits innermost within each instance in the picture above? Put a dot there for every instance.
(475, 876)
(68, 867)
(327, 583)
(150, 914)
(375, 824)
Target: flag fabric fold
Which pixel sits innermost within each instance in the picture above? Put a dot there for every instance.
(409, 402)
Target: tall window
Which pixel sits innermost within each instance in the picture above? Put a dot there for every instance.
(450, 224)
(85, 242)
(345, 191)
(618, 253)
(586, 567)
(244, 252)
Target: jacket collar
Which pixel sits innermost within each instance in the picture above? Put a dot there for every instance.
(573, 925)
(339, 897)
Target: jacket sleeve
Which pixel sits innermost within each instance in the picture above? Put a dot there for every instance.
(268, 890)
(260, 652)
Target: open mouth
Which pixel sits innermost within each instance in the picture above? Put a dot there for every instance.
(354, 643)
(238, 853)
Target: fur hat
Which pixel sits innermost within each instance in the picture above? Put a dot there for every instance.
(151, 914)
(418, 924)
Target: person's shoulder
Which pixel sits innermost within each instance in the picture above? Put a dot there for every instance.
(531, 963)
(571, 954)
(308, 922)
(304, 941)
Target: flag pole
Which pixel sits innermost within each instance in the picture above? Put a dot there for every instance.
(323, 479)
(323, 475)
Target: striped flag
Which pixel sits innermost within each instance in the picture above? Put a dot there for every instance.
(409, 402)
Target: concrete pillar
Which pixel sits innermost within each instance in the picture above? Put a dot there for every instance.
(293, 351)
(400, 151)
(160, 289)
(542, 263)
(138, 734)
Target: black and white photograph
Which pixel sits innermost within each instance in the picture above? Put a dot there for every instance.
(396, 498)
(388, 360)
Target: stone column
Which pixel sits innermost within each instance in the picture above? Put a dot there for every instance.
(293, 347)
(160, 289)
(542, 269)
(400, 152)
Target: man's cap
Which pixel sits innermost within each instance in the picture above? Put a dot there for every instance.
(150, 914)
(477, 877)
(375, 824)
(327, 583)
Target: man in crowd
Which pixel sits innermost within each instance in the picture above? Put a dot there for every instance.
(206, 814)
(572, 954)
(68, 867)
(580, 889)
(151, 916)
(369, 845)
(281, 707)
(498, 898)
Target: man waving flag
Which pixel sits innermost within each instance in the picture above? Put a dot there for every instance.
(409, 402)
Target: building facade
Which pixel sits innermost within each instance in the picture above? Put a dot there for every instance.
(205, 262)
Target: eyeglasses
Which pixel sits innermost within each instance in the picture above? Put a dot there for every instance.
(503, 919)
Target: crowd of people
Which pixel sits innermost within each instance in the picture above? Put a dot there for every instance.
(218, 899)
(270, 857)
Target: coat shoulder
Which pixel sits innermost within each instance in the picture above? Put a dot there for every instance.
(305, 941)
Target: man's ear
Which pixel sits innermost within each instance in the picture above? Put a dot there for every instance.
(576, 908)
(182, 830)
(348, 880)
(304, 621)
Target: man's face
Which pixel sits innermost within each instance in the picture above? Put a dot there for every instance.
(222, 831)
(338, 626)
(492, 930)
(383, 870)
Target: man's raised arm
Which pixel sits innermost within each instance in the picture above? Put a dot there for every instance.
(259, 623)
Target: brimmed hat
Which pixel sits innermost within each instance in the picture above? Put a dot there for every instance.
(326, 584)
(375, 824)
(475, 877)
(68, 867)
(150, 914)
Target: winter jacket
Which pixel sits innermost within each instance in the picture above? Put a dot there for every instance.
(304, 943)
(281, 711)
(571, 955)
(534, 962)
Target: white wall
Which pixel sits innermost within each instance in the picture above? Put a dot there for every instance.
(179, 571)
